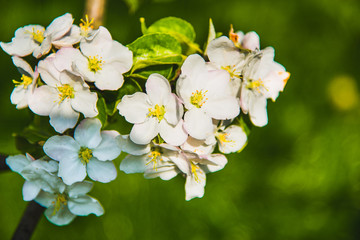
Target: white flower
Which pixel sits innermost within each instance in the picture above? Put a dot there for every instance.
(157, 112)
(39, 174)
(231, 139)
(104, 61)
(36, 39)
(25, 87)
(64, 96)
(152, 159)
(225, 55)
(262, 78)
(64, 205)
(90, 153)
(206, 94)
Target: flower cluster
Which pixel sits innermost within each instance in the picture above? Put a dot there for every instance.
(199, 107)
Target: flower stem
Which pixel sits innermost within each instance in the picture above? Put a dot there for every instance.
(28, 221)
(96, 9)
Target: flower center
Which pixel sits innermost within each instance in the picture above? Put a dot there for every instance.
(223, 138)
(198, 98)
(157, 111)
(37, 35)
(232, 71)
(194, 169)
(25, 81)
(60, 200)
(66, 91)
(154, 157)
(86, 26)
(95, 64)
(256, 85)
(85, 154)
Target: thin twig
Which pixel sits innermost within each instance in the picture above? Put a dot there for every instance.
(3, 165)
(28, 221)
(96, 9)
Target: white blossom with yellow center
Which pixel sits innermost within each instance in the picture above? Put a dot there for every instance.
(263, 78)
(206, 94)
(24, 87)
(63, 98)
(36, 39)
(103, 61)
(158, 111)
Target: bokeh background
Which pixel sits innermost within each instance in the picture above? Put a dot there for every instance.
(298, 178)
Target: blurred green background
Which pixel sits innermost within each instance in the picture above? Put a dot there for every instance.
(298, 178)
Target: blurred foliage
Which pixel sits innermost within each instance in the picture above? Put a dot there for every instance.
(298, 178)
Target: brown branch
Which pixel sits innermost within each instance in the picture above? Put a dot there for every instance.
(96, 9)
(28, 221)
(3, 165)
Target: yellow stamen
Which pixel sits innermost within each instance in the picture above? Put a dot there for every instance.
(154, 157)
(25, 81)
(198, 98)
(256, 85)
(59, 201)
(194, 169)
(232, 71)
(86, 26)
(95, 64)
(158, 112)
(37, 35)
(85, 154)
(223, 138)
(66, 91)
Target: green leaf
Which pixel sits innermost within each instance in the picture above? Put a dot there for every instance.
(101, 106)
(165, 70)
(182, 30)
(211, 35)
(155, 49)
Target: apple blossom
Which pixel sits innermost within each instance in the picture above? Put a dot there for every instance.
(158, 111)
(24, 88)
(206, 94)
(36, 39)
(89, 153)
(104, 61)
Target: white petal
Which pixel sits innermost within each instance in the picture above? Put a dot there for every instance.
(48, 72)
(70, 38)
(109, 78)
(72, 170)
(63, 116)
(257, 111)
(222, 108)
(64, 58)
(223, 52)
(79, 188)
(143, 133)
(197, 146)
(101, 171)
(19, 47)
(45, 199)
(130, 147)
(164, 172)
(87, 133)
(23, 66)
(193, 67)
(135, 107)
(251, 41)
(101, 43)
(85, 205)
(174, 110)
(108, 149)
(158, 89)
(173, 135)
(17, 163)
(119, 56)
(43, 49)
(30, 190)
(85, 102)
(219, 161)
(194, 187)
(61, 218)
(198, 124)
(134, 164)
(59, 26)
(61, 148)
(43, 100)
